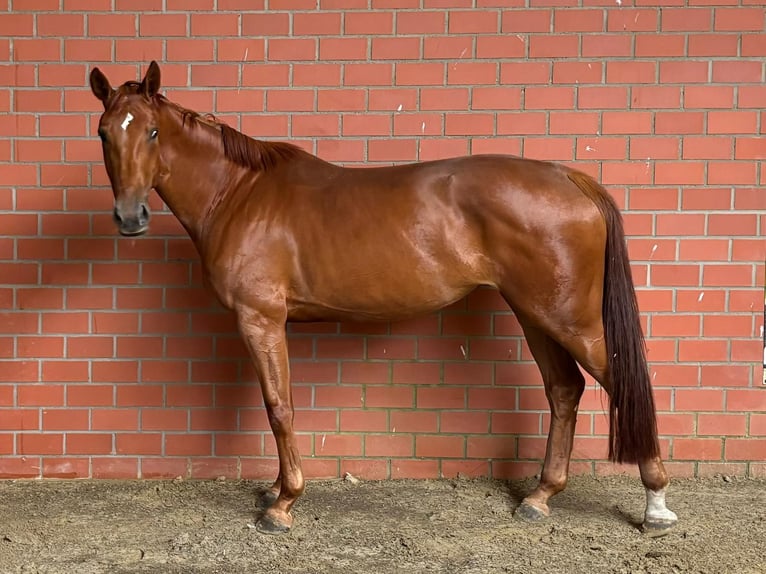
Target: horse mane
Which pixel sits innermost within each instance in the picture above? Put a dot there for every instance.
(243, 150)
(255, 154)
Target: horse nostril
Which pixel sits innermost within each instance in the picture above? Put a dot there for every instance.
(143, 216)
(117, 217)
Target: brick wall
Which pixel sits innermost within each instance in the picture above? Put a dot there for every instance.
(115, 362)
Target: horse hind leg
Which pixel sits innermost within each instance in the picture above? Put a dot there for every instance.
(564, 385)
(591, 353)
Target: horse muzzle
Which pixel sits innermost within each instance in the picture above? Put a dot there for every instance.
(132, 222)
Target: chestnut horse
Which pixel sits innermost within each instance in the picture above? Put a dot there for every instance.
(284, 236)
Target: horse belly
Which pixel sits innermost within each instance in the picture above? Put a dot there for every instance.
(395, 280)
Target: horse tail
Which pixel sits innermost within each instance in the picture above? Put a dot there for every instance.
(632, 414)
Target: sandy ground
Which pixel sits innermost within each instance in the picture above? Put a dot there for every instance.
(450, 526)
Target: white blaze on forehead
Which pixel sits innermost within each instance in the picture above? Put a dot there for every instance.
(126, 122)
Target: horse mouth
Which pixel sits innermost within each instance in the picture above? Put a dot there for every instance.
(133, 232)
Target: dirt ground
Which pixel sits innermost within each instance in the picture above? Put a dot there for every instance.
(450, 526)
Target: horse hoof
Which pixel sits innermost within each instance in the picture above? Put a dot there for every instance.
(268, 497)
(657, 528)
(269, 524)
(530, 513)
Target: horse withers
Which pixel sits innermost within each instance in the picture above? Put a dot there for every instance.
(285, 236)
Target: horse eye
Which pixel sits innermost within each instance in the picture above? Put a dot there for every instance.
(153, 134)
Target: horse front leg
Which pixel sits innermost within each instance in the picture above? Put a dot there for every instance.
(266, 340)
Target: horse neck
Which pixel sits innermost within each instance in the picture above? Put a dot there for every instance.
(195, 170)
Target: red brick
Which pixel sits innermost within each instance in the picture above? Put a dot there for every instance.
(758, 424)
(420, 22)
(341, 150)
(316, 74)
(163, 467)
(697, 449)
(471, 73)
(240, 49)
(65, 467)
(661, 45)
(17, 25)
(392, 150)
(699, 400)
(150, 443)
(726, 326)
(439, 446)
(739, 19)
(602, 97)
(389, 397)
(577, 72)
(65, 419)
(110, 468)
(190, 50)
(525, 73)
(343, 48)
(441, 47)
(619, 72)
(368, 23)
(736, 71)
(291, 49)
(363, 421)
(37, 50)
(293, 100)
(728, 122)
(163, 24)
(606, 45)
(214, 24)
(389, 445)
(560, 149)
(752, 45)
(341, 100)
(506, 46)
(396, 48)
(745, 400)
(188, 444)
(702, 350)
(526, 21)
(60, 24)
(712, 45)
(20, 419)
(745, 449)
(90, 443)
(469, 124)
(601, 148)
(720, 424)
(39, 443)
(686, 19)
(473, 22)
(339, 445)
(686, 72)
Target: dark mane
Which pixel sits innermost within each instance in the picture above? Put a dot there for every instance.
(255, 154)
(238, 147)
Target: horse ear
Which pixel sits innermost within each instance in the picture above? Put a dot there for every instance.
(99, 85)
(150, 85)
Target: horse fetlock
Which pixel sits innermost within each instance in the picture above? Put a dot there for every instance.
(268, 497)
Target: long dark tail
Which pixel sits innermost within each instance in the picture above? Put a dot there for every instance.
(632, 416)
